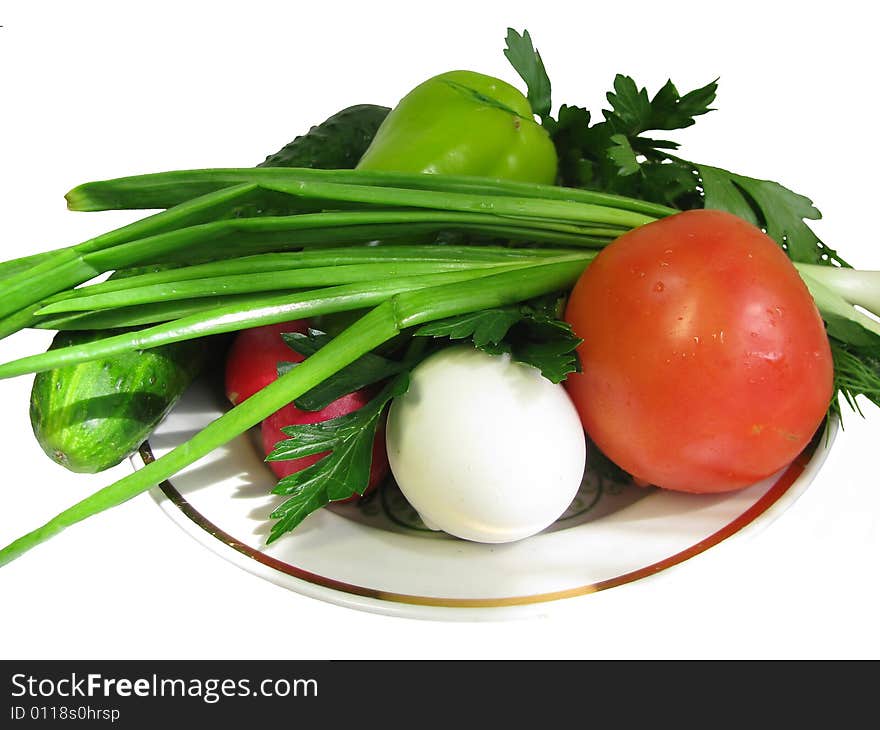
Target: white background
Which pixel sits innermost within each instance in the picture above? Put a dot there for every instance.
(96, 90)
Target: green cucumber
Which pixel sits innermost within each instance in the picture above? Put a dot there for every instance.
(336, 144)
(91, 416)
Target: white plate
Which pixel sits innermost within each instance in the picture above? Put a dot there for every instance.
(376, 556)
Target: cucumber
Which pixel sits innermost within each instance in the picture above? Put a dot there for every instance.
(89, 417)
(336, 144)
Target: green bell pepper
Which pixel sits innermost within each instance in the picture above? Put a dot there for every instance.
(464, 123)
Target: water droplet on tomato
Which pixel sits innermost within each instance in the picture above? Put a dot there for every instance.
(658, 286)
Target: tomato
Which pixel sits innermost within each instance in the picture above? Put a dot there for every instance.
(252, 361)
(706, 366)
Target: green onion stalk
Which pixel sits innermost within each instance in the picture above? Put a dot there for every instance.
(202, 221)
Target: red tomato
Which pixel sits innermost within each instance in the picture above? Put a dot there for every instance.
(252, 362)
(706, 366)
(290, 415)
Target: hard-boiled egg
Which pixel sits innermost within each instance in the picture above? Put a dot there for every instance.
(485, 448)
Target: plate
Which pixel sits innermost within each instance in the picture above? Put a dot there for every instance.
(377, 556)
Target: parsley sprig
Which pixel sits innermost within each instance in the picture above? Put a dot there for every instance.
(532, 333)
(344, 472)
(615, 155)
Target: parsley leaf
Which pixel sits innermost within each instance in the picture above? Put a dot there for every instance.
(623, 155)
(342, 473)
(632, 113)
(669, 110)
(532, 333)
(366, 370)
(486, 328)
(570, 133)
(528, 64)
(614, 155)
(779, 211)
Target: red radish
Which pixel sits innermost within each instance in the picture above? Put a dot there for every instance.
(252, 362)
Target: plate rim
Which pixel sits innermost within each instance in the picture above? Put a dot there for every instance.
(789, 484)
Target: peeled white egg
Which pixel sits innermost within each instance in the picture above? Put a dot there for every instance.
(485, 448)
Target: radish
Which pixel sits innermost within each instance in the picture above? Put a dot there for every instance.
(252, 363)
